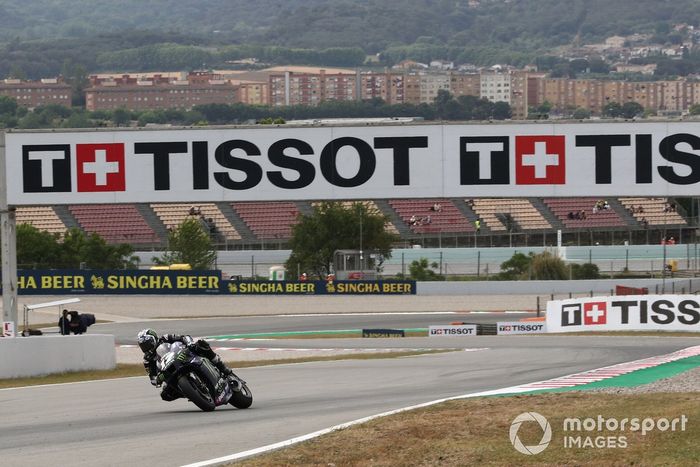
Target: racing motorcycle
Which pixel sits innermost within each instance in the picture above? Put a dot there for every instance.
(198, 380)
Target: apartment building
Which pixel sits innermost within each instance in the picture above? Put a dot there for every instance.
(158, 92)
(389, 86)
(32, 94)
(660, 96)
(495, 86)
(311, 88)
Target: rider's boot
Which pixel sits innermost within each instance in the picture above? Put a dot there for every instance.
(221, 366)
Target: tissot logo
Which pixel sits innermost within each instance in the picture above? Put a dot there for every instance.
(46, 168)
(100, 167)
(540, 160)
(595, 313)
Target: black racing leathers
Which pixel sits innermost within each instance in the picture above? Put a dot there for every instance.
(200, 347)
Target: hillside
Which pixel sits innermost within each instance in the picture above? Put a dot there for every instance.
(40, 35)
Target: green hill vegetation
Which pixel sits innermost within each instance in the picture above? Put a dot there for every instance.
(38, 36)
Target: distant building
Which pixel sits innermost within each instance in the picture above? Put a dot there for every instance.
(158, 92)
(32, 94)
(302, 88)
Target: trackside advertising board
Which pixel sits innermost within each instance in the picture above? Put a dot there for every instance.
(625, 313)
(62, 281)
(353, 162)
(520, 327)
(452, 330)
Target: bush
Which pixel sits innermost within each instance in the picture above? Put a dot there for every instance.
(585, 271)
(546, 267)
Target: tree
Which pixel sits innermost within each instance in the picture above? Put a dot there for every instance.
(694, 109)
(36, 249)
(40, 249)
(331, 227)
(516, 267)
(189, 243)
(92, 251)
(420, 270)
(631, 109)
(612, 109)
(8, 106)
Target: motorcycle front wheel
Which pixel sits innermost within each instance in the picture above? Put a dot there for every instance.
(243, 398)
(196, 391)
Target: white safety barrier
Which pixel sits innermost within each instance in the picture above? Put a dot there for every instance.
(42, 355)
(625, 313)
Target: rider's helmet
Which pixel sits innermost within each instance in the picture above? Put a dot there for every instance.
(147, 339)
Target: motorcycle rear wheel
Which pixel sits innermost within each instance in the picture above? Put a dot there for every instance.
(243, 398)
(198, 395)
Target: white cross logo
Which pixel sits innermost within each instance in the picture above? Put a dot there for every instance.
(100, 168)
(595, 313)
(540, 159)
(485, 150)
(46, 158)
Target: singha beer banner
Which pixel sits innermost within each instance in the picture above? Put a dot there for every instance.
(625, 313)
(57, 282)
(353, 162)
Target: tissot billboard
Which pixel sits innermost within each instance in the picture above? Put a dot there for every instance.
(411, 161)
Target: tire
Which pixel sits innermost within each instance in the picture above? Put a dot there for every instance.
(242, 399)
(198, 395)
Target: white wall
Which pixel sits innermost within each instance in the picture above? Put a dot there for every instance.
(42, 355)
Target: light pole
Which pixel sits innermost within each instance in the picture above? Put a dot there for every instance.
(361, 257)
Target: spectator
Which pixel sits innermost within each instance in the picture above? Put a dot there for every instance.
(570, 215)
(437, 207)
(583, 214)
(303, 277)
(413, 220)
(477, 225)
(64, 323)
(195, 211)
(606, 206)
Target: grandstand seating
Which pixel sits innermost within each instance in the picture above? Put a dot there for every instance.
(268, 220)
(654, 211)
(116, 223)
(521, 210)
(561, 207)
(41, 217)
(173, 214)
(448, 220)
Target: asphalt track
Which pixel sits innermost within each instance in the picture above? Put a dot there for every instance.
(124, 422)
(125, 332)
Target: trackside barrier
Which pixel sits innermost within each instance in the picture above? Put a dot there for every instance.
(625, 313)
(34, 356)
(149, 282)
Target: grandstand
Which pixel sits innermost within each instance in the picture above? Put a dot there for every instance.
(506, 214)
(504, 221)
(41, 217)
(172, 215)
(116, 223)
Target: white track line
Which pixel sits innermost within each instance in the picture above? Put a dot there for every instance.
(643, 363)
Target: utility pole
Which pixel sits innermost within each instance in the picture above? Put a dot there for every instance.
(8, 246)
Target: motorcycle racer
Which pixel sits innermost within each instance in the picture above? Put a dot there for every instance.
(148, 340)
